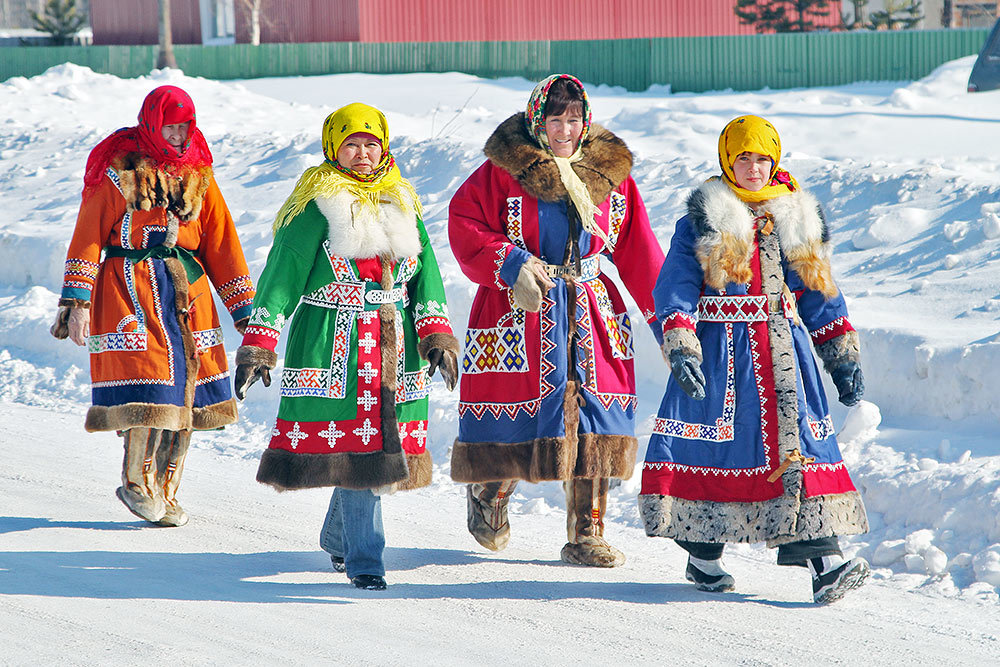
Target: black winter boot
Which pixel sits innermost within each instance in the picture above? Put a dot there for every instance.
(708, 575)
(831, 581)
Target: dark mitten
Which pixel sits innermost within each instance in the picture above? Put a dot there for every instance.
(446, 362)
(247, 374)
(849, 381)
(687, 371)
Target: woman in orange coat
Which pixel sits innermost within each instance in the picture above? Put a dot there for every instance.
(157, 364)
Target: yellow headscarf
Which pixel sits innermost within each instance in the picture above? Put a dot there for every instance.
(329, 178)
(753, 134)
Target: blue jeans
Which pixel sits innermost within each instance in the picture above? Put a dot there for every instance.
(353, 530)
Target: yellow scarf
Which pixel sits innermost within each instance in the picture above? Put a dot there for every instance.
(753, 134)
(384, 184)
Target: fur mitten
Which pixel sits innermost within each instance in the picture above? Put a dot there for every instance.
(441, 352)
(60, 328)
(530, 287)
(253, 363)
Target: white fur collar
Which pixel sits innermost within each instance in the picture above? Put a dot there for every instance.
(356, 231)
(715, 210)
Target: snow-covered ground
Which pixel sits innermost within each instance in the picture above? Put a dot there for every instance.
(908, 173)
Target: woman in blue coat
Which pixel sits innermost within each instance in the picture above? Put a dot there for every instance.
(743, 447)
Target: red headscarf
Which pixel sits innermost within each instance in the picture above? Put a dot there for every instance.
(166, 105)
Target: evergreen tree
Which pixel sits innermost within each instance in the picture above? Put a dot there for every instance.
(783, 15)
(898, 15)
(60, 19)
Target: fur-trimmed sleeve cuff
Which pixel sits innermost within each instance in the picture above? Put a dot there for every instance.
(444, 341)
(835, 351)
(257, 356)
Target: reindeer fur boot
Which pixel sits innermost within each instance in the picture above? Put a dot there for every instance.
(487, 513)
(170, 456)
(139, 490)
(586, 502)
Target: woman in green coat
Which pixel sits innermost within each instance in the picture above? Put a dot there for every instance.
(352, 260)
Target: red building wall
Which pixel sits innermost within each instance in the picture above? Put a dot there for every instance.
(516, 20)
(302, 21)
(138, 21)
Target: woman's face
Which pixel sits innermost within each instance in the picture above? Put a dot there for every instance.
(360, 152)
(752, 171)
(563, 131)
(176, 134)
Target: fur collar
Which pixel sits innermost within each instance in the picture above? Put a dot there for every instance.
(144, 186)
(606, 161)
(355, 231)
(724, 230)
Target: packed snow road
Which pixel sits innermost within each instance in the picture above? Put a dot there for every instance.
(82, 581)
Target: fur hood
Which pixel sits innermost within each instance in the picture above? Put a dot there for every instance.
(356, 231)
(144, 186)
(724, 230)
(606, 161)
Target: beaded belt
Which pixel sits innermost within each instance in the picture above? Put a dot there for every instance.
(742, 308)
(590, 268)
(356, 296)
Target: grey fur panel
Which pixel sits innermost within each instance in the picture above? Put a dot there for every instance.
(783, 367)
(681, 339)
(828, 516)
(846, 347)
(707, 521)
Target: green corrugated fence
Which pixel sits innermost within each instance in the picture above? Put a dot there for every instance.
(747, 62)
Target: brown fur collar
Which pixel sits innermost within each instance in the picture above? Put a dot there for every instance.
(146, 187)
(724, 230)
(606, 161)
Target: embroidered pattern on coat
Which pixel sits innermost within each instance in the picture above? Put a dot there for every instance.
(514, 230)
(497, 349)
(585, 328)
(723, 429)
(617, 211)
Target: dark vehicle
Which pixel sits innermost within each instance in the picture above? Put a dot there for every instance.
(986, 72)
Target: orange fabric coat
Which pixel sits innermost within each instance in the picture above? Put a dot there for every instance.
(157, 358)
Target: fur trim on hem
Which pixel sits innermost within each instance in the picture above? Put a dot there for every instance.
(606, 162)
(137, 415)
(843, 348)
(828, 516)
(538, 460)
(258, 356)
(288, 471)
(155, 415)
(441, 340)
(421, 472)
(544, 459)
(681, 339)
(772, 521)
(605, 456)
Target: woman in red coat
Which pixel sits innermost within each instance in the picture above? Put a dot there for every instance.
(548, 383)
(153, 229)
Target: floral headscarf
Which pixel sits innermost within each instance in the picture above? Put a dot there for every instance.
(534, 116)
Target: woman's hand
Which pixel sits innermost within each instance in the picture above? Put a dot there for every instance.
(79, 325)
